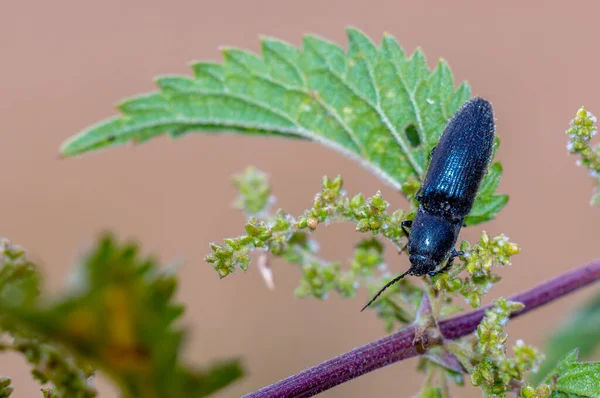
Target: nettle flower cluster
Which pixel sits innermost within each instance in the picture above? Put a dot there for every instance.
(279, 234)
(582, 130)
(494, 371)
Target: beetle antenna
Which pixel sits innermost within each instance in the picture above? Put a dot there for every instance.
(390, 283)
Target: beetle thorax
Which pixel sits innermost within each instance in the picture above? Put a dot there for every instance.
(432, 237)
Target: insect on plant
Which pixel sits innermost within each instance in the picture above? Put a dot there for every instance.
(458, 164)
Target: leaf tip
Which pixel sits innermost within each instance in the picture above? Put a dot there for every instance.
(66, 149)
(267, 42)
(225, 50)
(442, 63)
(353, 30)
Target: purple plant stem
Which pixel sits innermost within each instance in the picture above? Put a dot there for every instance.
(399, 345)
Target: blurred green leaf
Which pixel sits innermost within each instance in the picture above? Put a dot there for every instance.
(5, 387)
(53, 366)
(121, 318)
(254, 191)
(574, 379)
(19, 280)
(561, 366)
(431, 392)
(580, 330)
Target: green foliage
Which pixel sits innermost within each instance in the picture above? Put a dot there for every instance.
(374, 104)
(19, 280)
(431, 392)
(319, 277)
(477, 262)
(120, 319)
(488, 203)
(282, 235)
(53, 366)
(254, 191)
(543, 391)
(493, 370)
(68, 377)
(5, 388)
(573, 379)
(578, 331)
(583, 129)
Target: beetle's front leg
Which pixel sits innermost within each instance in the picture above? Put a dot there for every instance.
(406, 224)
(455, 253)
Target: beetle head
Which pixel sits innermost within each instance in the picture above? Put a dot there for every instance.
(421, 265)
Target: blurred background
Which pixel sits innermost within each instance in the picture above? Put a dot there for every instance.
(65, 64)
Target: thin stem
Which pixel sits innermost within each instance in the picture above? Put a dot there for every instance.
(399, 346)
(444, 384)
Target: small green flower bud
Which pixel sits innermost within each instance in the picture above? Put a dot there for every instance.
(465, 246)
(454, 284)
(337, 184)
(302, 223)
(475, 301)
(357, 201)
(476, 378)
(378, 202)
(363, 225)
(543, 391)
(485, 239)
(232, 243)
(512, 249)
(265, 235)
(528, 392)
(375, 223)
(252, 229)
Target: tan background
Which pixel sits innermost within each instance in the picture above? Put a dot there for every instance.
(64, 64)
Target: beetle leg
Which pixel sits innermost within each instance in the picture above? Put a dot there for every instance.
(431, 152)
(406, 224)
(402, 248)
(446, 268)
(456, 253)
(448, 265)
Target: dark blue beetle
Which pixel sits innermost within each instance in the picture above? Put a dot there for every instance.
(458, 164)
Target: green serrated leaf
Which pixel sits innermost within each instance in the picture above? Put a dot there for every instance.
(121, 318)
(373, 104)
(561, 366)
(574, 379)
(578, 331)
(488, 203)
(581, 379)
